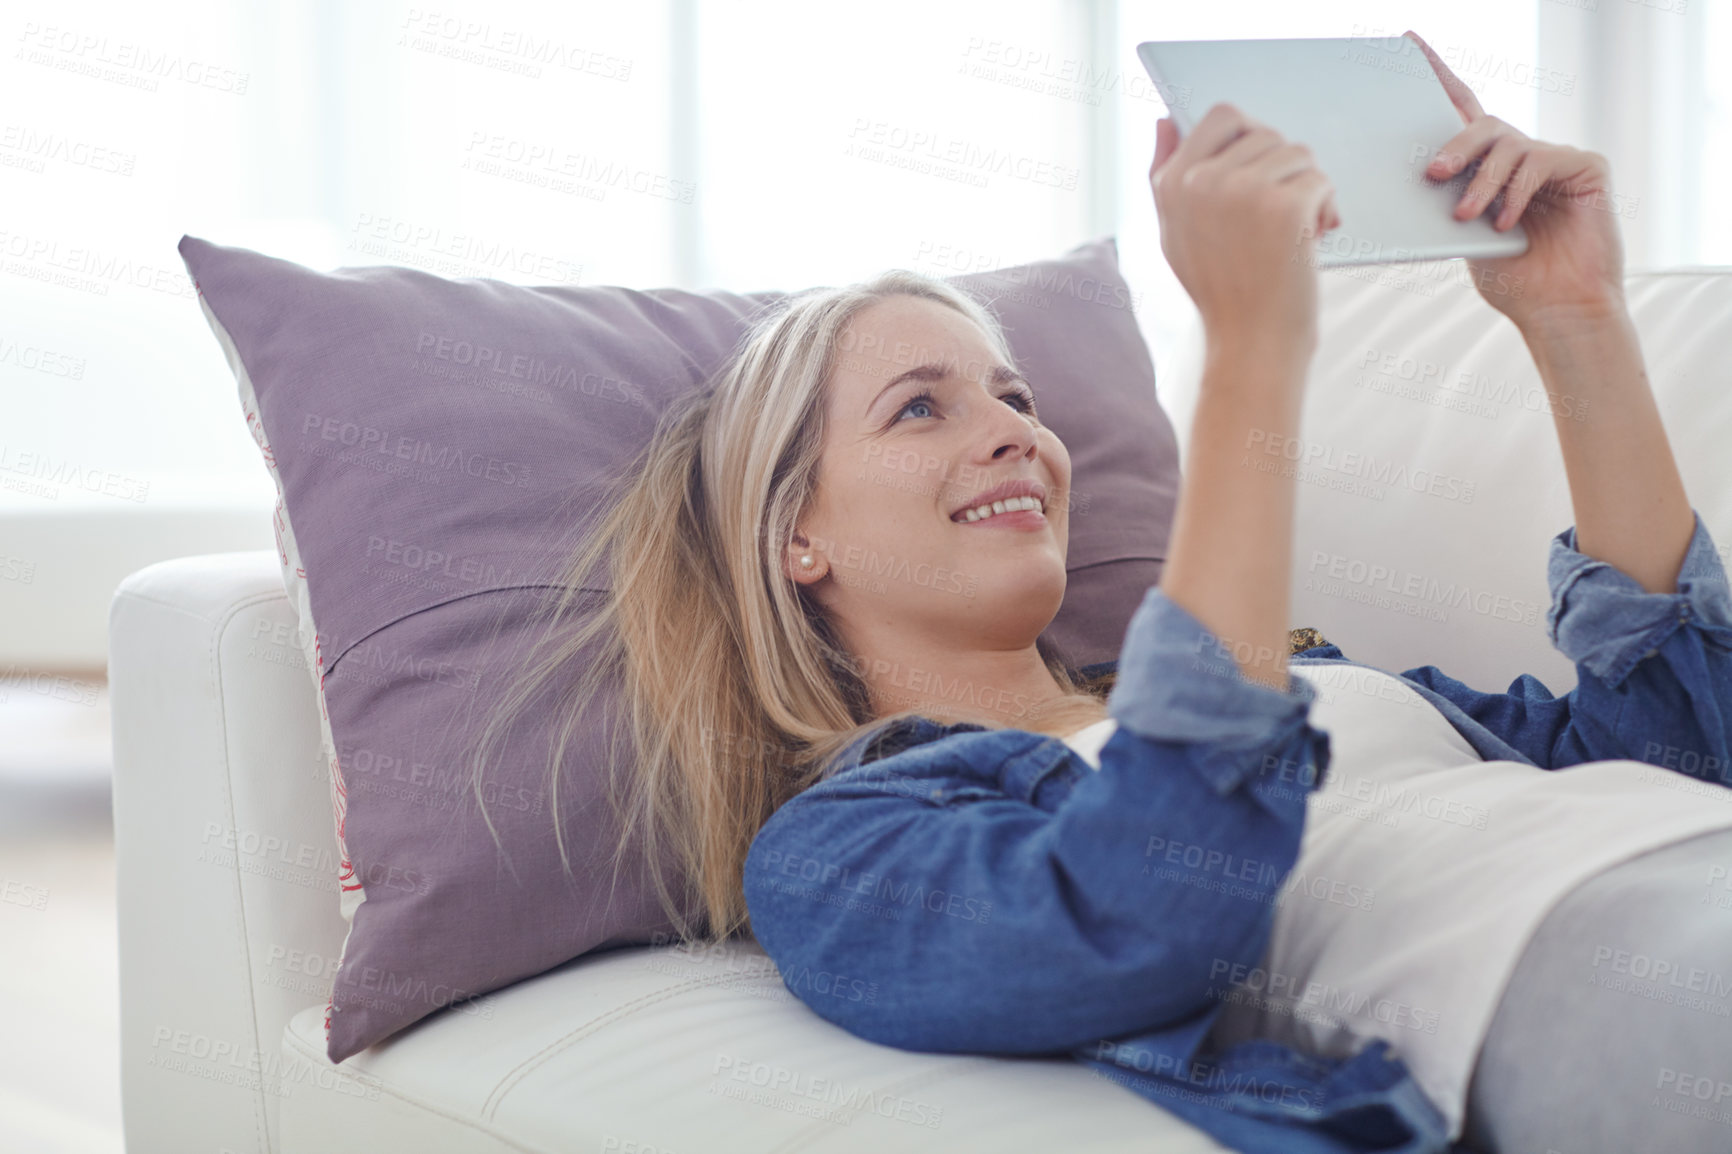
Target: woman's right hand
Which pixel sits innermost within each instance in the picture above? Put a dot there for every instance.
(1240, 210)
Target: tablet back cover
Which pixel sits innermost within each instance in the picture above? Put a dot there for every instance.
(1372, 111)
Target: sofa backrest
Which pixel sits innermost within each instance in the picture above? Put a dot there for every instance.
(1431, 481)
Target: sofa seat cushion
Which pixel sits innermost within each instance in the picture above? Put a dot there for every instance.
(664, 1049)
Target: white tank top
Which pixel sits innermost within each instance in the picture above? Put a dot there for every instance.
(1424, 872)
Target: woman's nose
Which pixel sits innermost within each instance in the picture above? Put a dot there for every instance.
(1012, 436)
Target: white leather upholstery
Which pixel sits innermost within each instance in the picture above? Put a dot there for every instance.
(1428, 331)
(228, 910)
(223, 848)
(229, 927)
(657, 1049)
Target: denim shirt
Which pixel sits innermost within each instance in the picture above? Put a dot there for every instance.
(983, 889)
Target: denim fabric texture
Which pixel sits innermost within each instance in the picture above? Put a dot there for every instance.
(990, 892)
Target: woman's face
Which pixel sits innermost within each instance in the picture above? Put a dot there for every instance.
(924, 419)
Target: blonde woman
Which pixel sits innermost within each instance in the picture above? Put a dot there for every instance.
(949, 839)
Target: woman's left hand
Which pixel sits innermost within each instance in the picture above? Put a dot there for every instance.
(1574, 264)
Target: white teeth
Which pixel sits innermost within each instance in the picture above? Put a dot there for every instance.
(1009, 505)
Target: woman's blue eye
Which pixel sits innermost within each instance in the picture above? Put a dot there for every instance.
(919, 399)
(1021, 401)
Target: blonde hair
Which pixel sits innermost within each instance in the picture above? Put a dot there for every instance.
(736, 691)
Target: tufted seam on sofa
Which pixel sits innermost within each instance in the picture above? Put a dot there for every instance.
(529, 1064)
(939, 1072)
(220, 627)
(318, 1058)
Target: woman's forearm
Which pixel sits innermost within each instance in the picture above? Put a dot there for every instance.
(1630, 507)
(1230, 558)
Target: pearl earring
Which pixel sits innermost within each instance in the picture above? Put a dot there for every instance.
(806, 561)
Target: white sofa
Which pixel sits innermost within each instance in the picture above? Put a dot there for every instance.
(228, 927)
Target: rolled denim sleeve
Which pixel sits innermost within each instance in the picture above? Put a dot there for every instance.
(1653, 670)
(1060, 905)
(1179, 683)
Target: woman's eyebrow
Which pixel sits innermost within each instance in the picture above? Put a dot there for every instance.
(1001, 374)
(927, 372)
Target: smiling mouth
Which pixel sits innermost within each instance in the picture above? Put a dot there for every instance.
(999, 508)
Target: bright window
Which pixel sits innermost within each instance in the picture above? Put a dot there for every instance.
(755, 144)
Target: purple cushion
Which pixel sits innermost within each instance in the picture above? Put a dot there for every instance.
(437, 446)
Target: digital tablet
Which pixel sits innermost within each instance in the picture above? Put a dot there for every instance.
(1373, 112)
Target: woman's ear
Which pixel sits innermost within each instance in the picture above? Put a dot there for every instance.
(802, 563)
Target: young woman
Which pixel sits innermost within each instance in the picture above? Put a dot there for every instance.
(892, 782)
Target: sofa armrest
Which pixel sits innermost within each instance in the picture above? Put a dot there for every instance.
(224, 848)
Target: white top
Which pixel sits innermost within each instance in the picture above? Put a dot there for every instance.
(1088, 740)
(1424, 872)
